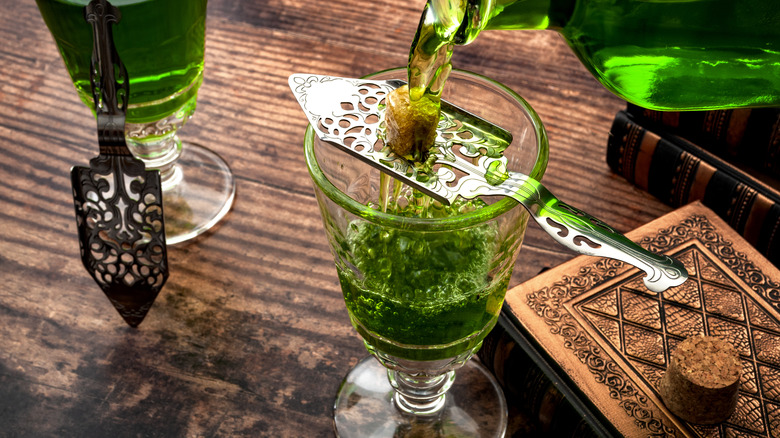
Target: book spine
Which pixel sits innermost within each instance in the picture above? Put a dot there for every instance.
(679, 172)
(527, 387)
(750, 136)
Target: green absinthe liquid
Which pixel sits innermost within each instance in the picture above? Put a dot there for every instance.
(161, 43)
(422, 296)
(659, 54)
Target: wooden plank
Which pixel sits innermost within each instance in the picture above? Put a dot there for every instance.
(250, 335)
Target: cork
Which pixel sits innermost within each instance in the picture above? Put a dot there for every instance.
(701, 383)
(410, 127)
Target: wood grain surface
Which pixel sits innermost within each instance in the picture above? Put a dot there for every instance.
(250, 336)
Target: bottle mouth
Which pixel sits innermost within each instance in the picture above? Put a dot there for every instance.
(471, 24)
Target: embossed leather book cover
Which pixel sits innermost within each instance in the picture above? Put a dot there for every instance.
(609, 339)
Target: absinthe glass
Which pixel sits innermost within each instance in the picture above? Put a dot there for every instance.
(162, 45)
(423, 282)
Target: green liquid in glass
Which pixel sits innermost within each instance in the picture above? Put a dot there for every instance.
(422, 296)
(161, 43)
(659, 54)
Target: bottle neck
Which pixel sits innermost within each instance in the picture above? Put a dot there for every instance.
(479, 15)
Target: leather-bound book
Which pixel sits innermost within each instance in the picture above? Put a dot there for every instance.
(747, 136)
(678, 172)
(586, 343)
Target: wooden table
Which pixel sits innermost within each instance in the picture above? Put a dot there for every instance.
(250, 336)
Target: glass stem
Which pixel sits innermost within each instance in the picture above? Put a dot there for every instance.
(420, 395)
(157, 145)
(159, 153)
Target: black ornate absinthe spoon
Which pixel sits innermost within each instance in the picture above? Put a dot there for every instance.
(118, 202)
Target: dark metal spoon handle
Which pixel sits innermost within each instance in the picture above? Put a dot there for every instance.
(108, 76)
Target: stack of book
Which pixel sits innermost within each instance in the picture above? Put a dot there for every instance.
(582, 347)
(729, 160)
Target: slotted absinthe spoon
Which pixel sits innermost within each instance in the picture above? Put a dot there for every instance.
(349, 114)
(118, 202)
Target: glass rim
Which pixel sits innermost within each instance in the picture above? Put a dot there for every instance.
(431, 224)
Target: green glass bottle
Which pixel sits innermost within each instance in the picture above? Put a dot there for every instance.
(659, 54)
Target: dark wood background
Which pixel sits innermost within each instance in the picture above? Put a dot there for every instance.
(250, 336)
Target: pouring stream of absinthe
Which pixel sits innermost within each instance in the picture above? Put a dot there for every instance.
(431, 51)
(419, 104)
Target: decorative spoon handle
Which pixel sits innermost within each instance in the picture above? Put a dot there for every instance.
(583, 233)
(108, 77)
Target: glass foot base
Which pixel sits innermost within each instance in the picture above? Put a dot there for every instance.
(198, 194)
(475, 406)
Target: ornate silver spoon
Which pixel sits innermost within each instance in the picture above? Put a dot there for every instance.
(349, 113)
